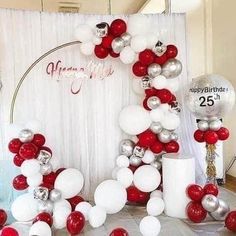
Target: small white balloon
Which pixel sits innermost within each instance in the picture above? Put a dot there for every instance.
(173, 85)
(137, 88)
(148, 157)
(30, 167)
(87, 48)
(171, 121)
(40, 228)
(150, 226)
(159, 82)
(60, 217)
(35, 180)
(122, 161)
(157, 114)
(97, 216)
(125, 176)
(84, 208)
(127, 55)
(155, 206)
(84, 33)
(138, 24)
(138, 43)
(34, 125)
(156, 193)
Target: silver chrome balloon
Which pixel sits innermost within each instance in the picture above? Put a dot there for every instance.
(117, 45)
(139, 151)
(156, 164)
(156, 127)
(45, 206)
(146, 82)
(126, 147)
(127, 38)
(26, 135)
(210, 202)
(46, 169)
(159, 49)
(44, 157)
(153, 102)
(164, 136)
(174, 136)
(215, 125)
(210, 96)
(102, 29)
(172, 68)
(41, 193)
(221, 212)
(135, 161)
(154, 70)
(203, 125)
(55, 195)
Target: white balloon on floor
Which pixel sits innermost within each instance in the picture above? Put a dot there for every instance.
(97, 216)
(40, 228)
(155, 206)
(150, 226)
(84, 208)
(60, 216)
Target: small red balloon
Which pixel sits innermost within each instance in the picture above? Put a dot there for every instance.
(14, 145)
(46, 149)
(132, 194)
(223, 133)
(146, 57)
(230, 221)
(113, 54)
(20, 183)
(101, 52)
(165, 95)
(18, 160)
(161, 60)
(147, 138)
(3, 217)
(195, 212)
(39, 140)
(74, 201)
(157, 147)
(119, 232)
(211, 189)
(195, 192)
(28, 151)
(139, 69)
(106, 41)
(171, 147)
(171, 51)
(50, 178)
(8, 231)
(143, 197)
(75, 222)
(118, 27)
(199, 136)
(45, 217)
(211, 137)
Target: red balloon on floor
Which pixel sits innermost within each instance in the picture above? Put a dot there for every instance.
(3, 217)
(211, 189)
(45, 217)
(195, 212)
(75, 222)
(132, 194)
(230, 221)
(8, 231)
(119, 232)
(195, 192)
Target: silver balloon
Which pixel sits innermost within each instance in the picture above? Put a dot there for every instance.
(46, 169)
(203, 125)
(102, 29)
(210, 203)
(210, 96)
(117, 45)
(127, 38)
(174, 136)
(26, 135)
(139, 151)
(221, 212)
(146, 82)
(159, 49)
(45, 206)
(154, 70)
(41, 193)
(55, 195)
(135, 161)
(215, 125)
(156, 164)
(165, 136)
(126, 147)
(156, 127)
(172, 68)
(44, 157)
(153, 102)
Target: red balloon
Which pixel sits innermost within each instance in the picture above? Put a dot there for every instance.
(147, 138)
(211, 189)
(132, 194)
(74, 201)
(50, 178)
(46, 149)
(146, 57)
(145, 104)
(139, 69)
(151, 92)
(230, 221)
(101, 52)
(18, 160)
(28, 151)
(161, 60)
(118, 27)
(45, 217)
(223, 133)
(211, 137)
(106, 41)
(39, 140)
(196, 213)
(47, 185)
(195, 192)
(20, 183)
(113, 54)
(134, 168)
(14, 145)
(143, 197)
(75, 222)
(157, 147)
(171, 51)
(119, 232)
(165, 95)
(3, 217)
(8, 231)
(199, 136)
(171, 147)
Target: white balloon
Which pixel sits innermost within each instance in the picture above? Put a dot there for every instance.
(84, 33)
(127, 55)
(114, 172)
(125, 176)
(84, 208)
(122, 161)
(60, 217)
(171, 121)
(159, 82)
(12, 131)
(30, 167)
(137, 88)
(61, 204)
(69, 182)
(148, 157)
(97, 40)
(33, 125)
(147, 178)
(157, 114)
(134, 119)
(155, 206)
(173, 85)
(25, 207)
(156, 193)
(138, 43)
(87, 48)
(150, 226)
(151, 40)
(34, 180)
(138, 24)
(97, 216)
(110, 195)
(40, 228)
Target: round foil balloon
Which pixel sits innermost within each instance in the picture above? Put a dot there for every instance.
(210, 96)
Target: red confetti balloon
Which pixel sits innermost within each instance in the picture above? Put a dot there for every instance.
(113, 54)
(195, 192)
(3, 217)
(195, 212)
(18, 160)
(211, 189)
(172, 147)
(106, 41)
(50, 178)
(165, 95)
(146, 57)
(101, 52)
(14, 145)
(74, 201)
(161, 60)
(230, 221)
(199, 136)
(75, 222)
(46, 149)
(139, 69)
(171, 51)
(20, 183)
(45, 217)
(147, 138)
(157, 147)
(223, 133)
(8, 231)
(119, 232)
(132, 194)
(211, 137)
(118, 27)
(38, 140)
(28, 151)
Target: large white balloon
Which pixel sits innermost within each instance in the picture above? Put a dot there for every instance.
(155, 206)
(138, 24)
(171, 121)
(35, 180)
(30, 167)
(40, 228)
(150, 226)
(97, 216)
(25, 207)
(157, 114)
(84, 208)
(69, 182)
(84, 33)
(134, 119)
(125, 176)
(147, 178)
(60, 217)
(110, 195)
(138, 43)
(127, 55)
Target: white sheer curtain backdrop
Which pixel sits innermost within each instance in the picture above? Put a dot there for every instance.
(82, 130)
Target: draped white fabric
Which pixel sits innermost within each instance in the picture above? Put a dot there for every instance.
(81, 129)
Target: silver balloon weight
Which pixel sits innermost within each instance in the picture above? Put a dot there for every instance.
(159, 49)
